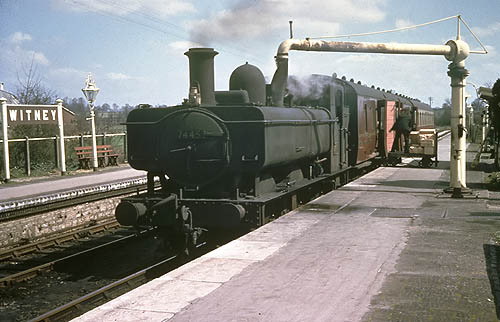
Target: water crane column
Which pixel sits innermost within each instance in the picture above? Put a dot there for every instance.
(457, 73)
(455, 51)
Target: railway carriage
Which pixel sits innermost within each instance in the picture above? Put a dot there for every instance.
(372, 112)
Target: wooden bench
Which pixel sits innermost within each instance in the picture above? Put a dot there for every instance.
(105, 156)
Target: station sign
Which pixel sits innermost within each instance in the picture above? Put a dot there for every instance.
(35, 114)
(24, 114)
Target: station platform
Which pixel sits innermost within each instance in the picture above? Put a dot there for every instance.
(34, 187)
(390, 246)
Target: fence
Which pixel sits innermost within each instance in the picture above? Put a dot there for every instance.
(28, 153)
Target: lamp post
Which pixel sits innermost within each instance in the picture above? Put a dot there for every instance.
(90, 91)
(467, 114)
(472, 127)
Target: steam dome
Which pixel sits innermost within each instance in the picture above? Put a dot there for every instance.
(250, 78)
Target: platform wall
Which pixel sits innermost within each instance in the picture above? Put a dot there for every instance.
(39, 226)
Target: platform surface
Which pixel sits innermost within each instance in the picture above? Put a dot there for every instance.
(389, 246)
(28, 189)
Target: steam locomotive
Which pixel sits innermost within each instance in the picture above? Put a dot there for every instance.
(231, 158)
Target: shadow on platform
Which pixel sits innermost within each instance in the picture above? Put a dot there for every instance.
(422, 184)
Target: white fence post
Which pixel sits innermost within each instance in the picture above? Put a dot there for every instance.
(60, 124)
(3, 101)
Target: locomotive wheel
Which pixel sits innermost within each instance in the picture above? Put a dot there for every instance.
(426, 162)
(182, 244)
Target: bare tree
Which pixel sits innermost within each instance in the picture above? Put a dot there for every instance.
(30, 89)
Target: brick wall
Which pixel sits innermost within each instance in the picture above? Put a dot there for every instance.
(64, 219)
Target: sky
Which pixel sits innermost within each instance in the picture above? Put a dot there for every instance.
(135, 48)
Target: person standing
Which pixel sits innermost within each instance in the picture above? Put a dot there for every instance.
(402, 126)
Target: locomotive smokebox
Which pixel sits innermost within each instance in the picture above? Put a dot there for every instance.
(201, 72)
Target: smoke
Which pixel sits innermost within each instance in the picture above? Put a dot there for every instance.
(312, 90)
(249, 20)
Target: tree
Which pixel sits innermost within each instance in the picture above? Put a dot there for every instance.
(494, 108)
(30, 89)
(442, 116)
(105, 107)
(79, 107)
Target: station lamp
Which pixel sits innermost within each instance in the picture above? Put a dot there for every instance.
(90, 91)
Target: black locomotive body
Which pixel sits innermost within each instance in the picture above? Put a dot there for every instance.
(212, 151)
(230, 158)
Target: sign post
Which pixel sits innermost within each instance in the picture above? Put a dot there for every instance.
(60, 124)
(5, 137)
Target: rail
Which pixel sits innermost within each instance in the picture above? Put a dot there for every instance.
(86, 302)
(443, 133)
(34, 271)
(77, 232)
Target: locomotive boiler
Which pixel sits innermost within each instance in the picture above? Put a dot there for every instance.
(232, 158)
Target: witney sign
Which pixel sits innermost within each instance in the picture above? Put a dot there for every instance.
(14, 114)
(36, 114)
(30, 115)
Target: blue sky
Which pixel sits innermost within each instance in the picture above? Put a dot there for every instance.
(135, 48)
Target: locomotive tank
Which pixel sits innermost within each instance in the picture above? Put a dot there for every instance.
(272, 136)
(197, 146)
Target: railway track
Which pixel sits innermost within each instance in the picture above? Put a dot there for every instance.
(106, 293)
(102, 295)
(77, 232)
(16, 259)
(47, 265)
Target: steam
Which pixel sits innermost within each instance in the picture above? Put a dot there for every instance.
(312, 90)
(255, 19)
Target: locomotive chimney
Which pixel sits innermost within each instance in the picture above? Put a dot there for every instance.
(201, 73)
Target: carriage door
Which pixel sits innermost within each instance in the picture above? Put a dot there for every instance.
(340, 132)
(381, 126)
(342, 114)
(391, 112)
